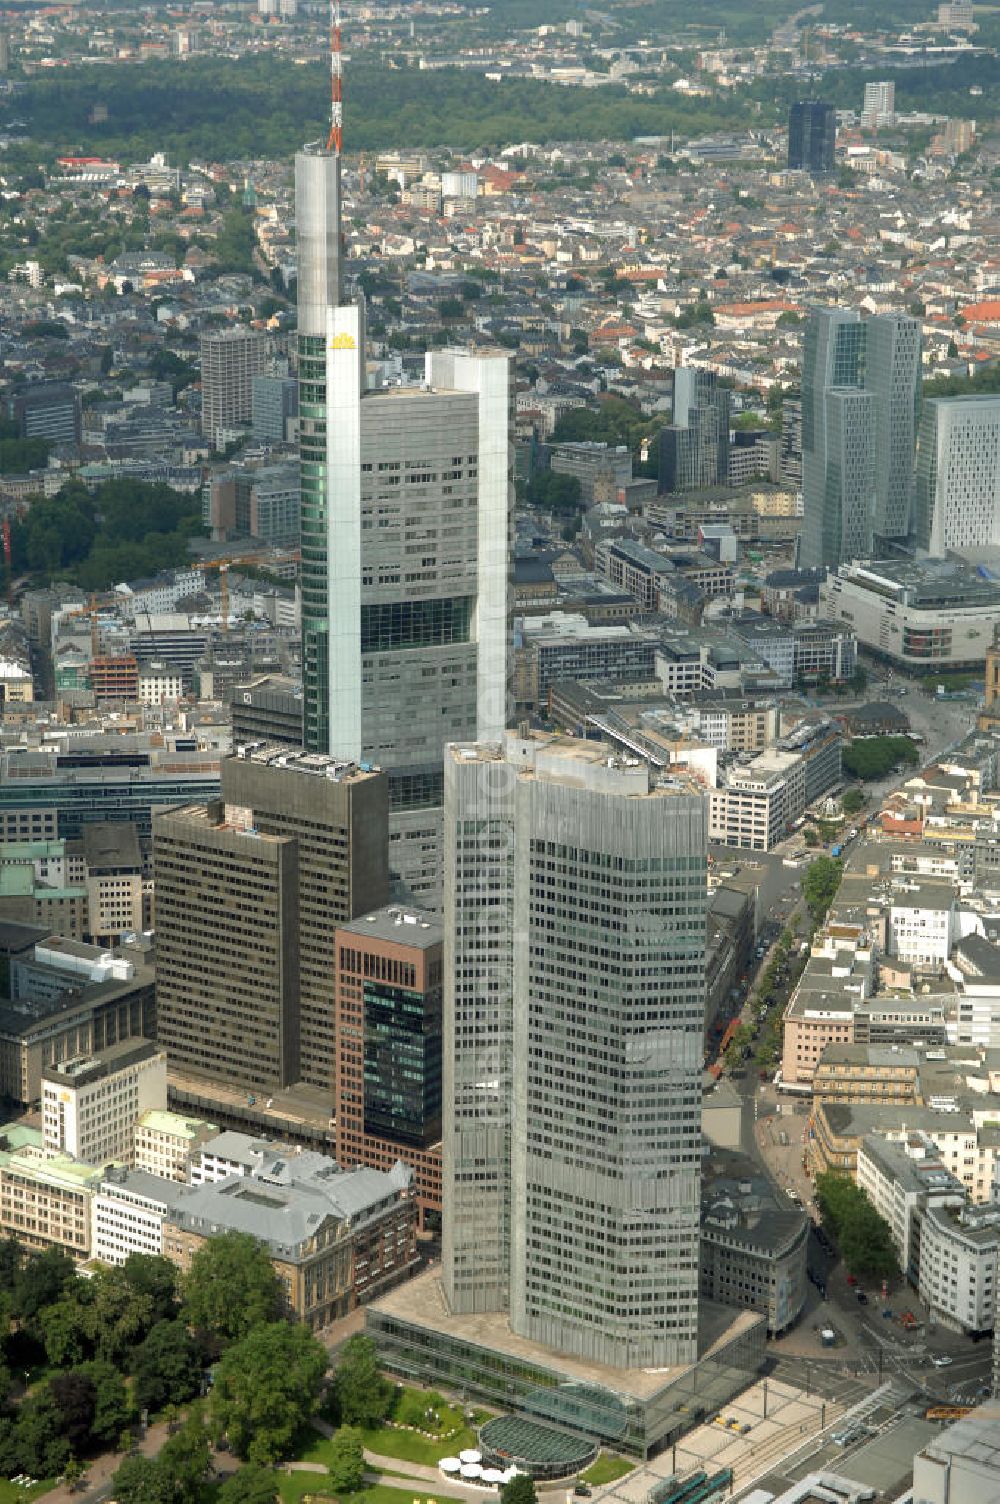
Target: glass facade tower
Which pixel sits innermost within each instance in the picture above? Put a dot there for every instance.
(405, 513)
(860, 394)
(812, 137)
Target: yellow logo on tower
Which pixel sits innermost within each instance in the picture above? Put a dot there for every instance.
(343, 342)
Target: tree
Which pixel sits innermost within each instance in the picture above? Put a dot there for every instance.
(363, 1397)
(186, 1459)
(346, 1464)
(156, 1277)
(141, 1480)
(74, 1397)
(39, 1448)
(112, 1408)
(251, 1485)
(554, 492)
(821, 882)
(520, 1490)
(65, 1330)
(231, 1287)
(121, 1314)
(874, 756)
(859, 679)
(10, 1262)
(863, 1236)
(265, 1388)
(852, 801)
(40, 1281)
(167, 1367)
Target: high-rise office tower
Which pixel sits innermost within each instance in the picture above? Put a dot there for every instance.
(892, 376)
(860, 390)
(230, 359)
(273, 402)
(694, 447)
(575, 903)
(880, 105)
(387, 1092)
(227, 976)
(405, 543)
(336, 811)
(957, 503)
(253, 888)
(838, 504)
(812, 136)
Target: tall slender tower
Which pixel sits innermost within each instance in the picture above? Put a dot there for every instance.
(838, 441)
(405, 537)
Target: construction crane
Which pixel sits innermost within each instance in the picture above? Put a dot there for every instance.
(223, 566)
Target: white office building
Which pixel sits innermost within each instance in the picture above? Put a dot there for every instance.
(879, 108)
(128, 1212)
(91, 1104)
(958, 1265)
(957, 499)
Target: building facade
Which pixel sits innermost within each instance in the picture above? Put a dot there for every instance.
(250, 891)
(860, 395)
(812, 137)
(230, 359)
(227, 901)
(405, 544)
(336, 1239)
(958, 474)
(90, 1104)
(562, 866)
(387, 1087)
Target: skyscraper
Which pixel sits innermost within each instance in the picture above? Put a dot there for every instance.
(892, 375)
(575, 908)
(860, 390)
(405, 543)
(226, 966)
(957, 502)
(230, 359)
(834, 508)
(812, 136)
(694, 447)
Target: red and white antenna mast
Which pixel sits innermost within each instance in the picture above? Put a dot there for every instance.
(335, 141)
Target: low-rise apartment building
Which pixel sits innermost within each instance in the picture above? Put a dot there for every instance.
(863, 1073)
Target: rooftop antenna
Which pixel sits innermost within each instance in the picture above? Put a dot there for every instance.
(335, 140)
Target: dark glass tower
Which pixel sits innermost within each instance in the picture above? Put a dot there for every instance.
(812, 136)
